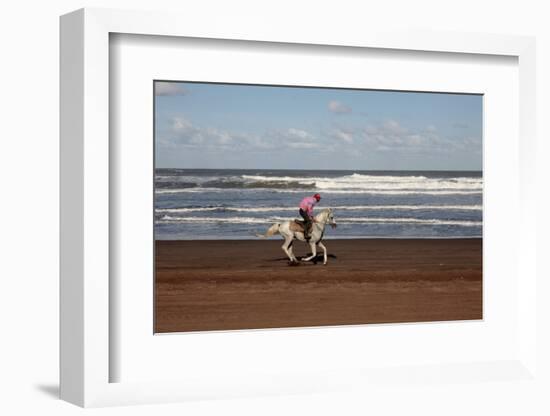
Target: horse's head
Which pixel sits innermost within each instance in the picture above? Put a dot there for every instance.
(330, 218)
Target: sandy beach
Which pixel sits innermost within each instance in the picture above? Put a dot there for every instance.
(224, 285)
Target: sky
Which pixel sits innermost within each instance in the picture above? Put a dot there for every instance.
(222, 126)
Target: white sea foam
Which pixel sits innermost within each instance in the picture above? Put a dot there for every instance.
(339, 208)
(186, 190)
(409, 221)
(201, 209)
(206, 220)
(355, 182)
(358, 181)
(330, 191)
(360, 220)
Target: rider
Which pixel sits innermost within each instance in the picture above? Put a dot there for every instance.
(306, 211)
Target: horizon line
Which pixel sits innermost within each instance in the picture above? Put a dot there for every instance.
(346, 170)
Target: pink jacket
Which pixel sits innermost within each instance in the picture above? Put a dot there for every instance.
(307, 205)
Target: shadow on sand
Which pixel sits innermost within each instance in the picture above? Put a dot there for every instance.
(318, 259)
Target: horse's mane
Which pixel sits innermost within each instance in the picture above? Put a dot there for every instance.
(325, 211)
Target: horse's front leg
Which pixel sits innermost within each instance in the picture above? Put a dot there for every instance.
(313, 252)
(324, 252)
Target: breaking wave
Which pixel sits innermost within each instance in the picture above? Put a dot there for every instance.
(333, 191)
(233, 203)
(354, 183)
(338, 208)
(360, 220)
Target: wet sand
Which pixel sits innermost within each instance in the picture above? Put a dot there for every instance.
(223, 285)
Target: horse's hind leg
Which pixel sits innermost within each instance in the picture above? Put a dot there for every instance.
(313, 252)
(324, 252)
(291, 251)
(286, 245)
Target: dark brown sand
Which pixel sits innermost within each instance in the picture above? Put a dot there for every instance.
(222, 285)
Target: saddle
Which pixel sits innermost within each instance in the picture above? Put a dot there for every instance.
(297, 226)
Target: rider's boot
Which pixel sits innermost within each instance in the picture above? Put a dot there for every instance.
(306, 231)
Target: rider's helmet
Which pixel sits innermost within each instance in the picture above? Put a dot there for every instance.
(317, 197)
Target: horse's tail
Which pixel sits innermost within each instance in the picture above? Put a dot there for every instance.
(274, 229)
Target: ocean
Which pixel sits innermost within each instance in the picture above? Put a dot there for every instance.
(192, 204)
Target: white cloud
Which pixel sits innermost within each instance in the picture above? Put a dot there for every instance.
(169, 89)
(294, 138)
(298, 134)
(181, 125)
(392, 136)
(431, 128)
(384, 137)
(468, 143)
(345, 136)
(338, 108)
(184, 133)
(416, 140)
(393, 127)
(302, 145)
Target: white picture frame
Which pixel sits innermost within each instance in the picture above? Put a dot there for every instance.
(85, 210)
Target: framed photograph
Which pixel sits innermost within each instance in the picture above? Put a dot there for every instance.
(398, 172)
(273, 213)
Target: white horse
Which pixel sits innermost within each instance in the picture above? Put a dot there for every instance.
(290, 230)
